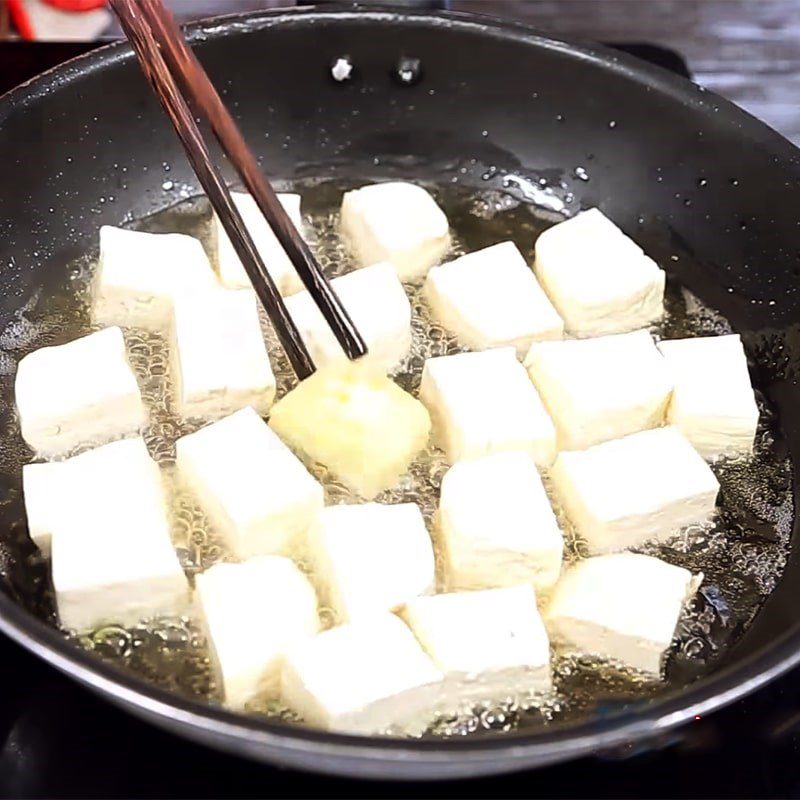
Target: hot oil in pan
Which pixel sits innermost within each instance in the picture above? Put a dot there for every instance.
(741, 554)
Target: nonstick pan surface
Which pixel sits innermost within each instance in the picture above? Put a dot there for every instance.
(709, 191)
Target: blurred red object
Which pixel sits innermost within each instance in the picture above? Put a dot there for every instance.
(76, 5)
(20, 19)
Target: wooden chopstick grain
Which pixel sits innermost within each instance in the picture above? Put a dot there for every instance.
(156, 27)
(197, 86)
(135, 25)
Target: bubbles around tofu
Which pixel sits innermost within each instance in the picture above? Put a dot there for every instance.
(742, 553)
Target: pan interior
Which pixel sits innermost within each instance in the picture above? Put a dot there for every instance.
(741, 554)
(682, 172)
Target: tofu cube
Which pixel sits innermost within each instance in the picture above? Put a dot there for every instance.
(713, 402)
(370, 557)
(376, 302)
(253, 613)
(496, 525)
(644, 487)
(54, 489)
(491, 298)
(255, 491)
(364, 677)
(231, 272)
(599, 280)
(491, 645)
(601, 389)
(112, 558)
(121, 580)
(220, 360)
(82, 392)
(622, 607)
(44, 489)
(363, 427)
(483, 403)
(395, 222)
(141, 274)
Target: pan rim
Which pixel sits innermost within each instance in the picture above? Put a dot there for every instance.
(569, 739)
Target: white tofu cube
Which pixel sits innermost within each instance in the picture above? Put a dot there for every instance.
(363, 677)
(106, 475)
(231, 271)
(491, 298)
(644, 487)
(496, 525)
(44, 489)
(82, 392)
(121, 580)
(713, 402)
(255, 491)
(491, 645)
(622, 607)
(482, 403)
(395, 222)
(599, 280)
(112, 557)
(254, 612)
(220, 360)
(140, 275)
(601, 389)
(371, 557)
(376, 302)
(363, 427)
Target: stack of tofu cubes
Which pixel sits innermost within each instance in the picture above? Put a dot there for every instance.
(562, 378)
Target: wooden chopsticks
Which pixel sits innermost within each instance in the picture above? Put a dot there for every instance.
(173, 71)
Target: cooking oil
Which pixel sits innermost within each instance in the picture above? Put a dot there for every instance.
(741, 553)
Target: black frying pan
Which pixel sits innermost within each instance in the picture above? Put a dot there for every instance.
(718, 193)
